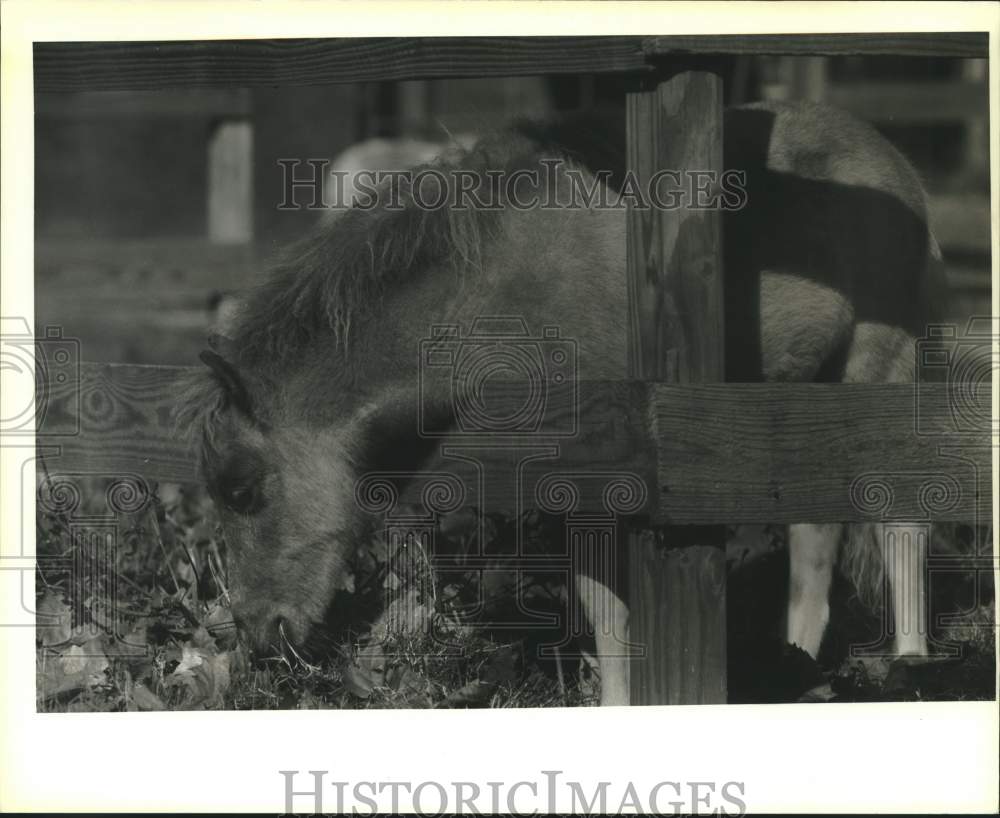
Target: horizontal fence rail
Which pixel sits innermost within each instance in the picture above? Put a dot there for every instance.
(119, 66)
(767, 453)
(904, 44)
(154, 65)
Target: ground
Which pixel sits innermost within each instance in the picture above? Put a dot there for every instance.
(412, 637)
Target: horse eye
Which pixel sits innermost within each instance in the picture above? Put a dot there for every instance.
(238, 482)
(241, 498)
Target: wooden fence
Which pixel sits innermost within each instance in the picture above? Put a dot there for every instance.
(705, 452)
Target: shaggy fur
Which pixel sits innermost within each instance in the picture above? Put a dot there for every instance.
(821, 271)
(338, 275)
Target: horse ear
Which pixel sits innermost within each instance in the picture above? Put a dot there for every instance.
(230, 379)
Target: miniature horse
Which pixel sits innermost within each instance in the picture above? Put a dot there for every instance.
(315, 382)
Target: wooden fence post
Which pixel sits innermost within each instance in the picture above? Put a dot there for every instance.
(677, 593)
(230, 182)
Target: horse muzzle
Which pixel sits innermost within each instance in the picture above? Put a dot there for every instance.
(270, 634)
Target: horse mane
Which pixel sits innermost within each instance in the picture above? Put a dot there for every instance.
(336, 276)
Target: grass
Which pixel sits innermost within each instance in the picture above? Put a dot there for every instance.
(172, 644)
(145, 625)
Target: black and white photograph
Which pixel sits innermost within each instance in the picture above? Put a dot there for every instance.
(504, 372)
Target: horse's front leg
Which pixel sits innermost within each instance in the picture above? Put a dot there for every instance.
(812, 558)
(608, 615)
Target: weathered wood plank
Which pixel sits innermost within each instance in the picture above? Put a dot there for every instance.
(678, 585)
(157, 65)
(822, 453)
(676, 335)
(247, 63)
(116, 418)
(708, 453)
(911, 44)
(675, 256)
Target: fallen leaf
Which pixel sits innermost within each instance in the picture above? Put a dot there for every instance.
(412, 686)
(202, 677)
(145, 699)
(367, 672)
(357, 682)
(191, 658)
(404, 615)
(170, 494)
(80, 667)
(54, 620)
